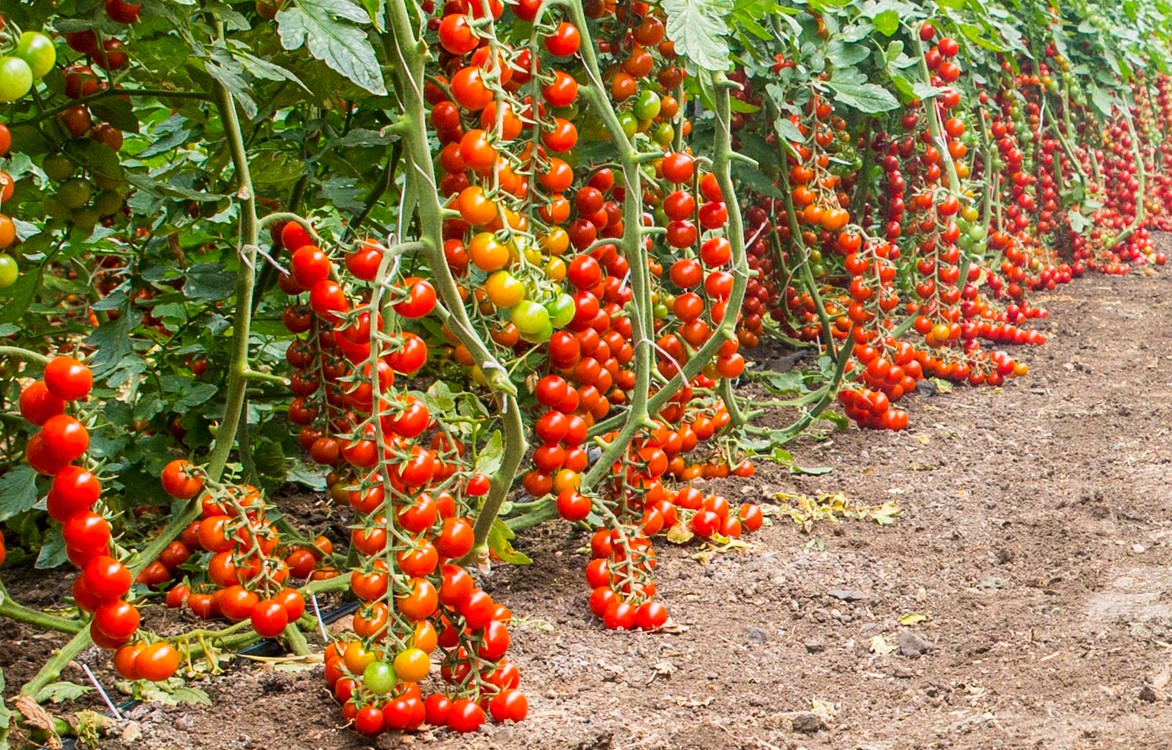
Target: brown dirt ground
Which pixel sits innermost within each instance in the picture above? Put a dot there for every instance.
(1033, 534)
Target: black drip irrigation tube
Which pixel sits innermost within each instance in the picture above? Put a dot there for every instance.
(267, 647)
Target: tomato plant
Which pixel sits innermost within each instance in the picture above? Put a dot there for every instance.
(463, 268)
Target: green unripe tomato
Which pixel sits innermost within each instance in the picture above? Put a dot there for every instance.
(9, 271)
(74, 192)
(108, 203)
(38, 51)
(16, 78)
(58, 167)
(84, 218)
(664, 134)
(629, 124)
(647, 105)
(561, 310)
(529, 317)
(55, 209)
(379, 677)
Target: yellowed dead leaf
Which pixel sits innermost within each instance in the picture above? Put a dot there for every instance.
(38, 718)
(880, 647)
(913, 618)
(806, 510)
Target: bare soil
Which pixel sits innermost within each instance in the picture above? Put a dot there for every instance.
(1034, 536)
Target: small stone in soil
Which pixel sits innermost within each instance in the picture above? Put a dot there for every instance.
(847, 595)
(807, 723)
(912, 644)
(756, 636)
(815, 646)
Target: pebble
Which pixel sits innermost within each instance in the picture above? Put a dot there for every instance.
(756, 636)
(847, 595)
(913, 645)
(808, 723)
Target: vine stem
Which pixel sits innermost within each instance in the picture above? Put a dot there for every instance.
(19, 613)
(1140, 178)
(234, 401)
(410, 51)
(27, 355)
(633, 249)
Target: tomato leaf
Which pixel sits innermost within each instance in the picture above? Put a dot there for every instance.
(18, 491)
(57, 692)
(5, 714)
(488, 460)
(868, 98)
(209, 282)
(229, 72)
(319, 26)
(500, 538)
(699, 28)
(52, 550)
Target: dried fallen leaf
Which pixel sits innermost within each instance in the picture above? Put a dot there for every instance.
(913, 618)
(38, 718)
(880, 647)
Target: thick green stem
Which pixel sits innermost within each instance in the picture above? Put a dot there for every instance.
(242, 323)
(634, 250)
(502, 480)
(408, 53)
(1141, 178)
(16, 352)
(19, 613)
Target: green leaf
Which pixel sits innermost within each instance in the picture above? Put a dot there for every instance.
(500, 538)
(868, 98)
(18, 491)
(756, 181)
(488, 460)
(1102, 100)
(846, 55)
(116, 111)
(52, 550)
(56, 692)
(266, 70)
(699, 28)
(112, 340)
(209, 282)
(230, 73)
(344, 48)
(376, 9)
(887, 22)
(195, 395)
(272, 167)
(439, 398)
(168, 135)
(304, 475)
(15, 300)
(5, 715)
(893, 51)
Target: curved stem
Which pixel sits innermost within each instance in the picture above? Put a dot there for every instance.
(27, 355)
(19, 613)
(1140, 177)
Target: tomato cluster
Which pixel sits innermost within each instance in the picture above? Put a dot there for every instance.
(247, 578)
(9, 270)
(26, 58)
(73, 501)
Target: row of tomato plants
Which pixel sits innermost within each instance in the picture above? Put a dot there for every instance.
(577, 221)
